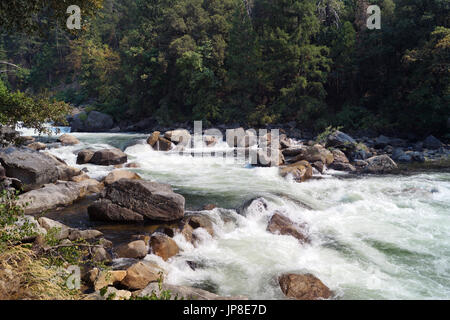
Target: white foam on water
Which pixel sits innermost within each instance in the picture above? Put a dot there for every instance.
(371, 237)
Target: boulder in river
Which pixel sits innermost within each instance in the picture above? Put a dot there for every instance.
(84, 156)
(153, 139)
(315, 153)
(163, 246)
(380, 164)
(32, 168)
(52, 196)
(151, 200)
(68, 140)
(280, 224)
(108, 157)
(140, 274)
(37, 146)
(300, 171)
(303, 287)
(135, 250)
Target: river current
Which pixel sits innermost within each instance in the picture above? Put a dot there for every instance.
(372, 237)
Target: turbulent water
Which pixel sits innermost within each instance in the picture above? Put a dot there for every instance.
(371, 237)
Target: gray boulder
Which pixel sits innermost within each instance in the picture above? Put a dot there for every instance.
(108, 157)
(105, 210)
(33, 168)
(341, 140)
(151, 200)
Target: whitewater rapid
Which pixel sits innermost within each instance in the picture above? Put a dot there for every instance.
(372, 237)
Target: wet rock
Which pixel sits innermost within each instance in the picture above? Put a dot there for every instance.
(269, 158)
(68, 140)
(52, 196)
(315, 153)
(300, 171)
(319, 166)
(163, 246)
(133, 165)
(432, 143)
(209, 207)
(116, 175)
(179, 136)
(32, 168)
(153, 139)
(235, 137)
(108, 157)
(105, 210)
(85, 156)
(254, 205)
(152, 200)
(380, 164)
(66, 173)
(140, 274)
(303, 287)
(135, 250)
(210, 141)
(280, 224)
(192, 222)
(162, 144)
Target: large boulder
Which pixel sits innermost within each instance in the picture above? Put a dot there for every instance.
(152, 200)
(268, 158)
(68, 140)
(140, 274)
(303, 287)
(380, 164)
(116, 175)
(37, 146)
(61, 231)
(33, 168)
(280, 224)
(163, 246)
(153, 139)
(108, 157)
(52, 196)
(300, 171)
(315, 153)
(341, 141)
(135, 250)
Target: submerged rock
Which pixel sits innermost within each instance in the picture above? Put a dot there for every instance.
(300, 171)
(280, 224)
(303, 287)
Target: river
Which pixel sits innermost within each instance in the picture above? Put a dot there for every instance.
(372, 237)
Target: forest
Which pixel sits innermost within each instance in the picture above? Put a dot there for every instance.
(255, 62)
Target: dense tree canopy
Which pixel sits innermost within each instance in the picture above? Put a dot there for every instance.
(254, 62)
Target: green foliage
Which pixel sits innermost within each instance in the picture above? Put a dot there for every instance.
(13, 226)
(311, 61)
